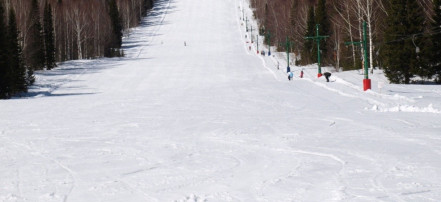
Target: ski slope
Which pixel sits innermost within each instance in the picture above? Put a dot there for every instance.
(214, 121)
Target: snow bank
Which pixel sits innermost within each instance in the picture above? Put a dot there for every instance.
(407, 108)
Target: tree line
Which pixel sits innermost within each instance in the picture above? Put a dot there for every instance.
(36, 34)
(404, 36)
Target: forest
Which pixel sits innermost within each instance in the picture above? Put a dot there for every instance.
(403, 36)
(36, 34)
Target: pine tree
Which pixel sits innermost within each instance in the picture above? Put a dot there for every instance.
(415, 27)
(393, 52)
(264, 28)
(148, 4)
(321, 17)
(116, 24)
(4, 73)
(400, 54)
(35, 49)
(435, 59)
(16, 65)
(292, 17)
(49, 40)
(266, 14)
(309, 52)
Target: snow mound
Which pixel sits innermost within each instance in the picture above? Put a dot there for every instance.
(407, 108)
(192, 198)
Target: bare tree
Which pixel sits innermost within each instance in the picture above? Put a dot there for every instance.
(82, 28)
(371, 10)
(343, 10)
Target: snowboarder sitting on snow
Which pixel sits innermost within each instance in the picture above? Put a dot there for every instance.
(290, 75)
(327, 75)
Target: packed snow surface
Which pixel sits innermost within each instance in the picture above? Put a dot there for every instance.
(211, 120)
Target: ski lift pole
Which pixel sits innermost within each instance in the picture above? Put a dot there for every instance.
(269, 43)
(251, 34)
(288, 45)
(291, 48)
(363, 43)
(317, 38)
(257, 43)
(246, 24)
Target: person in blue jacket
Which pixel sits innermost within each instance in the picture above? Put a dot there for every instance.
(290, 76)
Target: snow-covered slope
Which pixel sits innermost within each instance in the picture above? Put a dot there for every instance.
(212, 121)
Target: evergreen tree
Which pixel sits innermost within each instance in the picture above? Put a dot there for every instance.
(435, 50)
(266, 14)
(148, 4)
(49, 40)
(16, 65)
(321, 17)
(116, 24)
(265, 27)
(393, 52)
(415, 27)
(35, 49)
(400, 54)
(292, 17)
(309, 52)
(426, 70)
(4, 74)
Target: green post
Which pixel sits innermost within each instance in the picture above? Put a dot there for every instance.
(365, 54)
(318, 38)
(287, 51)
(251, 34)
(366, 81)
(269, 43)
(246, 24)
(318, 50)
(288, 46)
(257, 43)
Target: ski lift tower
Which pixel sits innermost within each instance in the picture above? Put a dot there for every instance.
(317, 38)
(288, 44)
(363, 43)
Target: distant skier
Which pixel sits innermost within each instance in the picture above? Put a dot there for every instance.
(288, 69)
(301, 74)
(185, 43)
(327, 75)
(290, 76)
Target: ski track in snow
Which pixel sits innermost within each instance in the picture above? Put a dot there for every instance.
(212, 121)
(38, 154)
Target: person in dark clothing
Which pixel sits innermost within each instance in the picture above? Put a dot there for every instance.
(327, 75)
